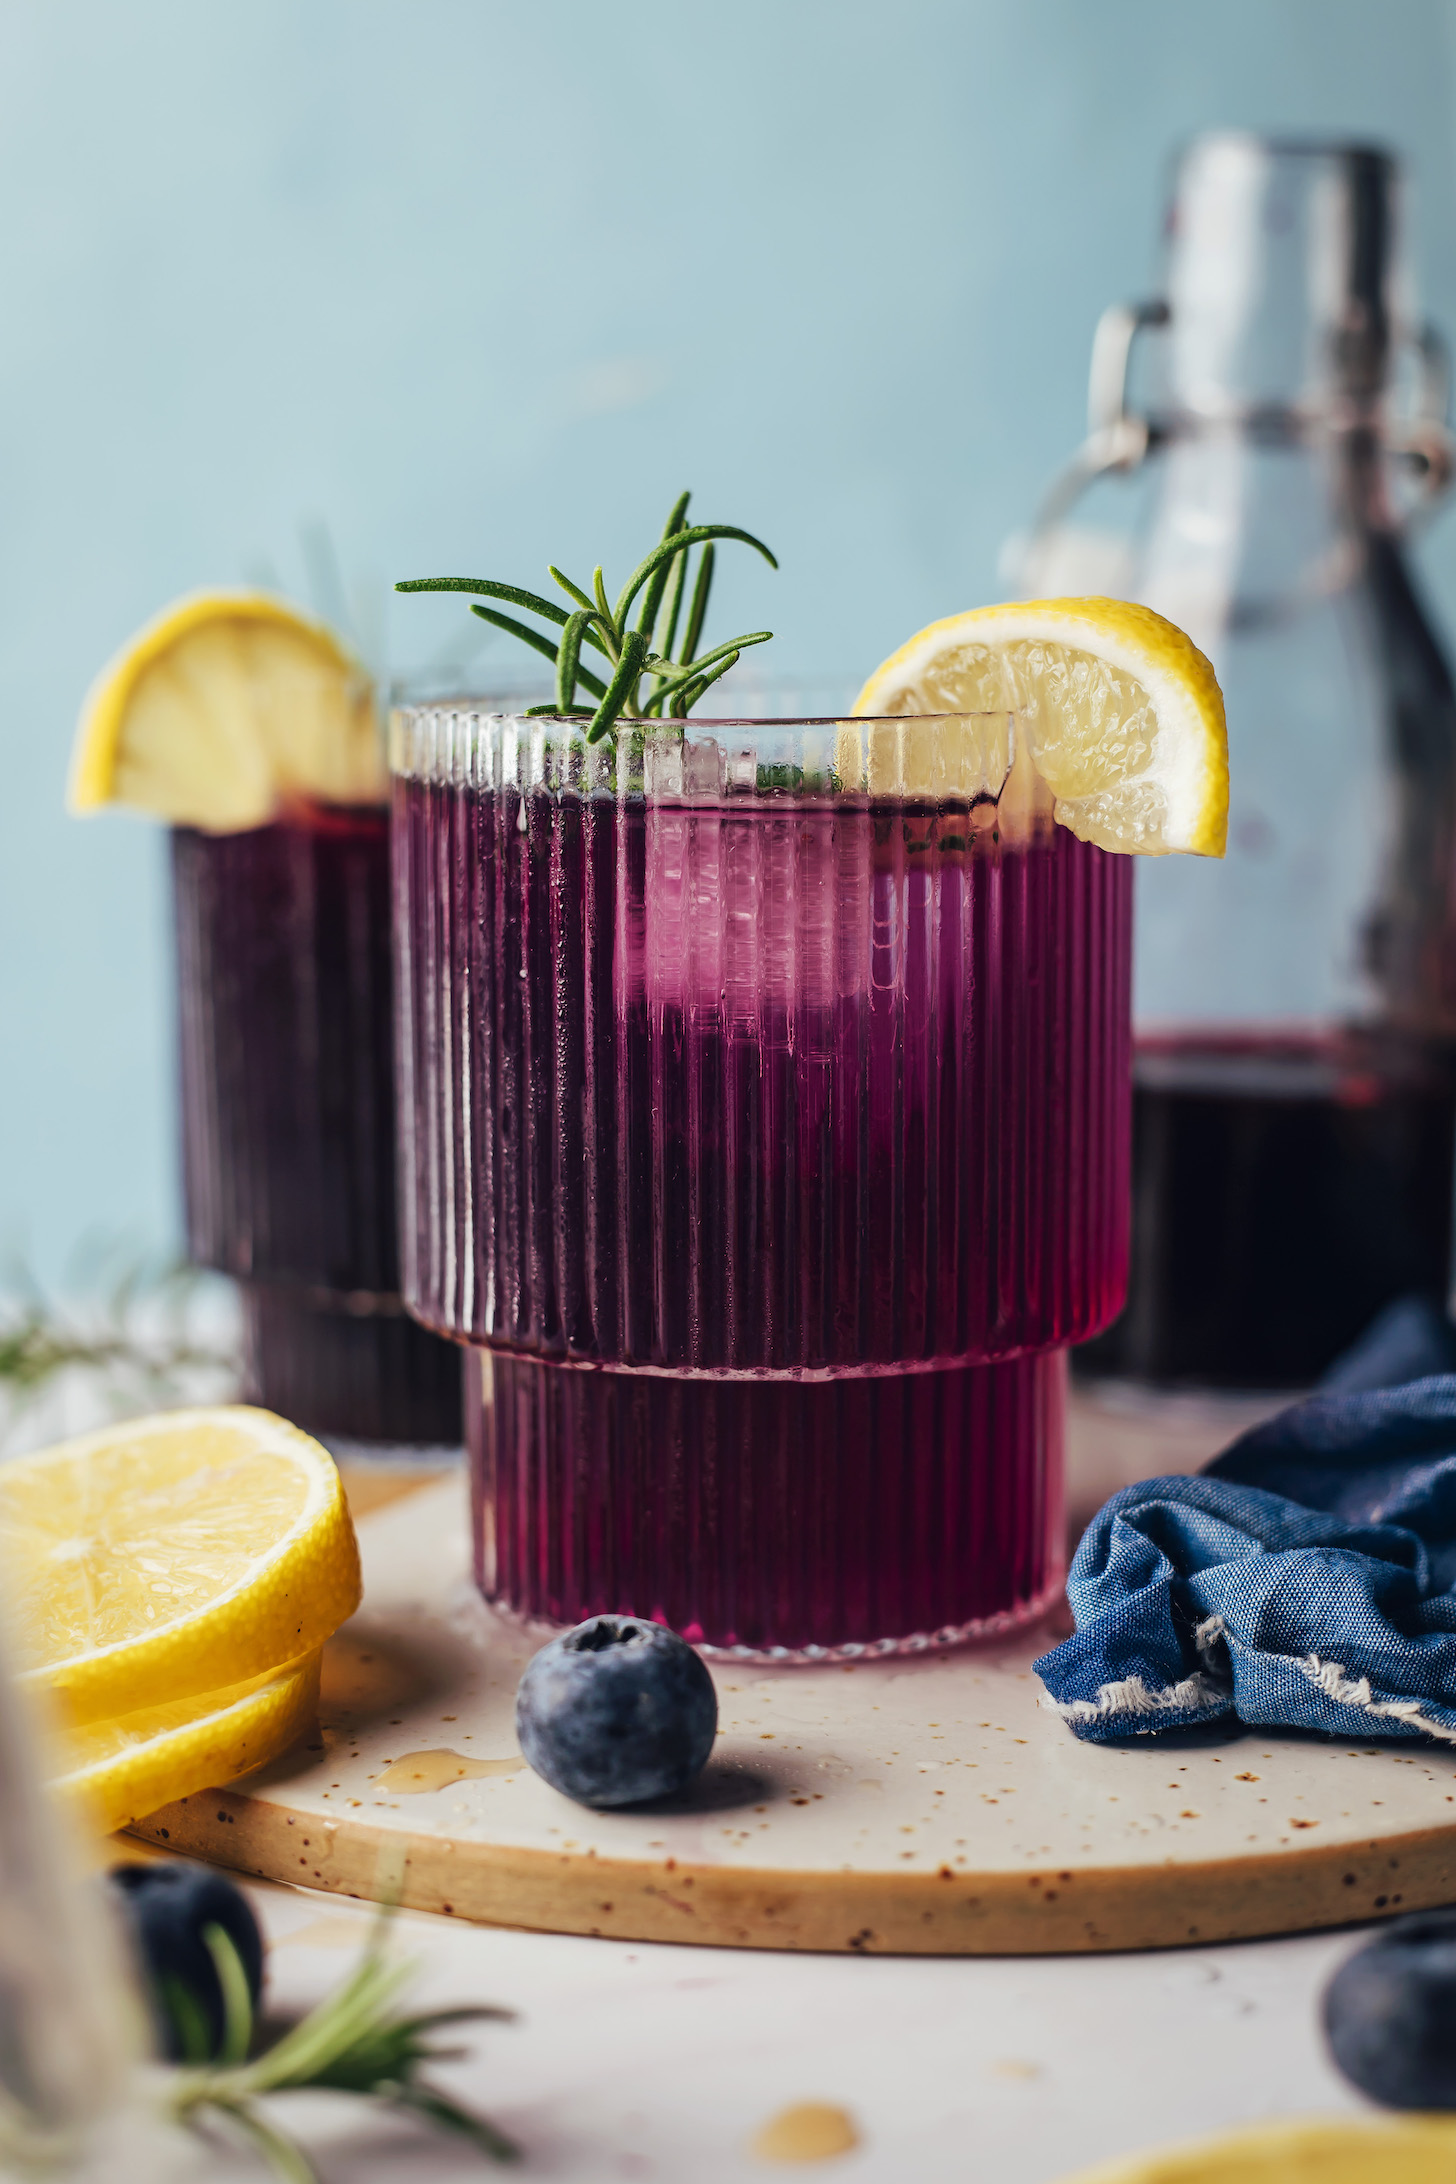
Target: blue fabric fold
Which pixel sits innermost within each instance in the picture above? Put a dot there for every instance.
(1305, 1580)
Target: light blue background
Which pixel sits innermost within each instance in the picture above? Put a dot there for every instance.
(478, 284)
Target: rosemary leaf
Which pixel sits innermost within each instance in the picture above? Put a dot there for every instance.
(701, 683)
(614, 629)
(352, 2042)
(328, 2032)
(735, 645)
(657, 585)
(538, 643)
(572, 591)
(697, 612)
(511, 593)
(187, 2019)
(286, 2157)
(438, 2109)
(674, 602)
(621, 686)
(237, 1996)
(695, 534)
(531, 637)
(665, 583)
(568, 658)
(706, 682)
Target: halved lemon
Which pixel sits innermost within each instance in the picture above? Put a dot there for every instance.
(1313, 2150)
(1122, 714)
(173, 1556)
(123, 1769)
(223, 710)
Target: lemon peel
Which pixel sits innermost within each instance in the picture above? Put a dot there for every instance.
(1121, 713)
(172, 1556)
(121, 1770)
(1300, 2150)
(223, 709)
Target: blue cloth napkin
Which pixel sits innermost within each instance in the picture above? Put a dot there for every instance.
(1306, 1580)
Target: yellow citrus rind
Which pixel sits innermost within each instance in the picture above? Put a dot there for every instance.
(119, 1771)
(1303, 2150)
(173, 1556)
(222, 710)
(1122, 714)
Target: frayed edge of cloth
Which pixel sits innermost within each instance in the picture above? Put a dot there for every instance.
(1331, 1678)
(1132, 1696)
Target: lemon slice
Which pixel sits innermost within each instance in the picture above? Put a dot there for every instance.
(1303, 2151)
(121, 1770)
(172, 1556)
(222, 711)
(1121, 712)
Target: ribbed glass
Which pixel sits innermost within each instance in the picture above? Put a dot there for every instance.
(775, 1050)
(286, 1035)
(771, 1517)
(350, 1369)
(731, 1078)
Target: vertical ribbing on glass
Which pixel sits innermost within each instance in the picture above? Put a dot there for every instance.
(771, 1516)
(776, 1087)
(775, 1144)
(286, 1041)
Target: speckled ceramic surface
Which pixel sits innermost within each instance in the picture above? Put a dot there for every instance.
(928, 1805)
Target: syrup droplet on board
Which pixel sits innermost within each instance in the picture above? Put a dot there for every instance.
(418, 1772)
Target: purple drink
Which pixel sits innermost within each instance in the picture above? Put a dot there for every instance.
(1286, 1187)
(752, 1121)
(288, 1119)
(770, 1516)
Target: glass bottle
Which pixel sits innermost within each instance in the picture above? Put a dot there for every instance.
(1296, 1004)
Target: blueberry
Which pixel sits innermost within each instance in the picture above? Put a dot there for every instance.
(166, 1906)
(1390, 2014)
(616, 1711)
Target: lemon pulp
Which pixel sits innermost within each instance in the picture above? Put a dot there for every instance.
(224, 709)
(1122, 714)
(173, 1556)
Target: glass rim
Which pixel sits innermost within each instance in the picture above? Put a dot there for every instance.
(824, 754)
(755, 721)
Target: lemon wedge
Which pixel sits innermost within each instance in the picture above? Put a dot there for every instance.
(171, 1557)
(223, 710)
(1122, 714)
(1313, 2150)
(121, 1770)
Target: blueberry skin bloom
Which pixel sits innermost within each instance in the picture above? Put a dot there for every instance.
(616, 1711)
(166, 1906)
(1390, 2014)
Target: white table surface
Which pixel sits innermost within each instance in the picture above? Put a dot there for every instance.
(634, 2061)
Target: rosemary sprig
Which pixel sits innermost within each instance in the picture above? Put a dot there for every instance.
(676, 682)
(353, 2042)
(136, 1345)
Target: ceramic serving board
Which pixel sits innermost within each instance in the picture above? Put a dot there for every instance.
(927, 1805)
